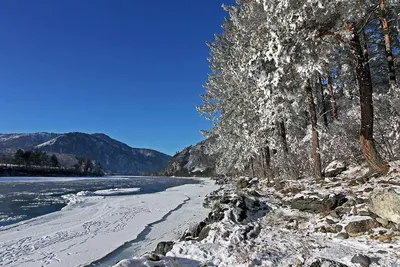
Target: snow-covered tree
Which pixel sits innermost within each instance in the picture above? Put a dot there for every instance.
(270, 62)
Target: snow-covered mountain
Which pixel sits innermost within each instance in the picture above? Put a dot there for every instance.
(114, 156)
(192, 161)
(28, 140)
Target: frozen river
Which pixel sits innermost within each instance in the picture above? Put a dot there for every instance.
(23, 198)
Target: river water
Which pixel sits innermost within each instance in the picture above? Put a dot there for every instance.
(23, 198)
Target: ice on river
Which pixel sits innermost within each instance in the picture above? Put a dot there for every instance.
(91, 227)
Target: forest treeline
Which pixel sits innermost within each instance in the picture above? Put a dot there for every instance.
(296, 84)
(39, 163)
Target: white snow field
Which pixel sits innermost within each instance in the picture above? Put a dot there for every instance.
(92, 226)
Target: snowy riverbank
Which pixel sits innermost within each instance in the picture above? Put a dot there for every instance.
(298, 223)
(94, 226)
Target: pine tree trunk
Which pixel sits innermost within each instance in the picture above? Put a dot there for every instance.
(333, 98)
(388, 45)
(263, 165)
(267, 158)
(315, 138)
(324, 110)
(252, 167)
(267, 153)
(364, 81)
(282, 134)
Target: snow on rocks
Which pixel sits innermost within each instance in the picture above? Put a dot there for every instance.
(292, 223)
(316, 204)
(360, 225)
(164, 247)
(363, 260)
(335, 168)
(152, 260)
(386, 204)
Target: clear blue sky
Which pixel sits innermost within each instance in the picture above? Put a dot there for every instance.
(132, 69)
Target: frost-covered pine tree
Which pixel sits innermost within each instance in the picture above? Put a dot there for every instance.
(266, 71)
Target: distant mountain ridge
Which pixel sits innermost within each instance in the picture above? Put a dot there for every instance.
(192, 161)
(115, 156)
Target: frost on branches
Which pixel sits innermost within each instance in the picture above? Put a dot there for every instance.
(268, 122)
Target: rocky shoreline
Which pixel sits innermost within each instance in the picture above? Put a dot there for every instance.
(351, 219)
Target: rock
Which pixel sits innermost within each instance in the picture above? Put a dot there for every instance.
(307, 204)
(329, 221)
(251, 232)
(335, 168)
(383, 222)
(243, 183)
(153, 257)
(254, 193)
(356, 228)
(216, 215)
(226, 234)
(355, 211)
(279, 185)
(342, 236)
(351, 202)
(368, 189)
(352, 183)
(225, 199)
(386, 204)
(204, 233)
(241, 204)
(364, 213)
(332, 202)
(254, 181)
(327, 263)
(164, 247)
(186, 236)
(331, 230)
(317, 205)
(327, 229)
(361, 200)
(392, 226)
(338, 228)
(363, 260)
(382, 232)
(382, 252)
(256, 204)
(385, 238)
(361, 180)
(334, 214)
(197, 229)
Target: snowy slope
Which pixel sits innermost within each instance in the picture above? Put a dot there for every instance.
(26, 140)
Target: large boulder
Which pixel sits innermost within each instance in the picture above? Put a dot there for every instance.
(164, 247)
(360, 226)
(335, 168)
(326, 263)
(386, 204)
(317, 205)
(362, 260)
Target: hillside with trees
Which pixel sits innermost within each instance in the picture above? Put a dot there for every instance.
(38, 163)
(115, 157)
